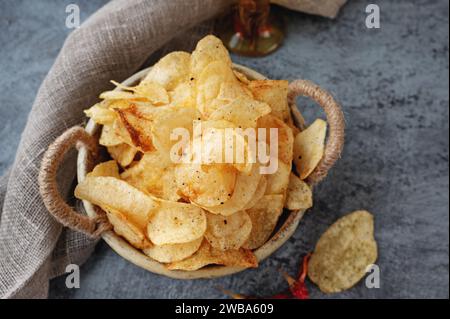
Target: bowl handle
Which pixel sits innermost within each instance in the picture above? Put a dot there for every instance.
(335, 119)
(48, 187)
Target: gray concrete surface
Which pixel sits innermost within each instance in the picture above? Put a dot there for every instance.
(393, 85)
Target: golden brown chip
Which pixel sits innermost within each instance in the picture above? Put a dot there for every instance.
(150, 91)
(309, 147)
(173, 252)
(108, 168)
(285, 136)
(170, 71)
(208, 50)
(101, 114)
(124, 227)
(122, 153)
(228, 232)
(277, 183)
(175, 223)
(207, 255)
(343, 253)
(274, 93)
(264, 216)
(299, 194)
(113, 193)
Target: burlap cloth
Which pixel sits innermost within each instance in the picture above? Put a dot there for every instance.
(112, 44)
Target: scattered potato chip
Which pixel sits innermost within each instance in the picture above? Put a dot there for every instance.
(100, 114)
(206, 185)
(170, 71)
(274, 93)
(244, 190)
(228, 232)
(173, 252)
(343, 253)
(243, 112)
(264, 216)
(175, 223)
(277, 183)
(122, 153)
(285, 136)
(208, 50)
(108, 168)
(113, 193)
(309, 147)
(299, 194)
(207, 255)
(123, 227)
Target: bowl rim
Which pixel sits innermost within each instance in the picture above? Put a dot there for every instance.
(135, 256)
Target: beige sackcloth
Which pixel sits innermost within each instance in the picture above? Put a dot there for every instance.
(112, 44)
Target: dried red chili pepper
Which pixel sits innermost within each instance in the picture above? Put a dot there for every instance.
(297, 287)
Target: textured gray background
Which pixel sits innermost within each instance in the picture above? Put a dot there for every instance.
(393, 85)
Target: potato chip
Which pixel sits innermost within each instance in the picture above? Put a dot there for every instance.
(108, 168)
(170, 71)
(228, 232)
(174, 223)
(109, 137)
(244, 190)
(154, 175)
(343, 253)
(173, 252)
(264, 216)
(122, 153)
(139, 128)
(208, 50)
(274, 93)
(206, 185)
(299, 194)
(123, 227)
(182, 95)
(207, 255)
(100, 114)
(209, 83)
(241, 77)
(277, 183)
(151, 91)
(309, 147)
(243, 112)
(259, 193)
(230, 91)
(285, 136)
(116, 194)
(121, 95)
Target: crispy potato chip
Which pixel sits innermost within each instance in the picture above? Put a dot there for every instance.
(243, 112)
(299, 194)
(209, 84)
(244, 190)
(121, 95)
(277, 183)
(154, 175)
(228, 232)
(138, 127)
(170, 71)
(100, 114)
(151, 91)
(285, 136)
(173, 252)
(264, 216)
(175, 223)
(109, 137)
(207, 255)
(108, 168)
(230, 91)
(309, 147)
(182, 95)
(113, 193)
(206, 185)
(122, 153)
(259, 193)
(343, 253)
(208, 50)
(123, 227)
(274, 93)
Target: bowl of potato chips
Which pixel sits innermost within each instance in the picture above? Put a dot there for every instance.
(207, 166)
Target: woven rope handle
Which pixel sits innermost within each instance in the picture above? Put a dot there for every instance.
(48, 186)
(335, 119)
